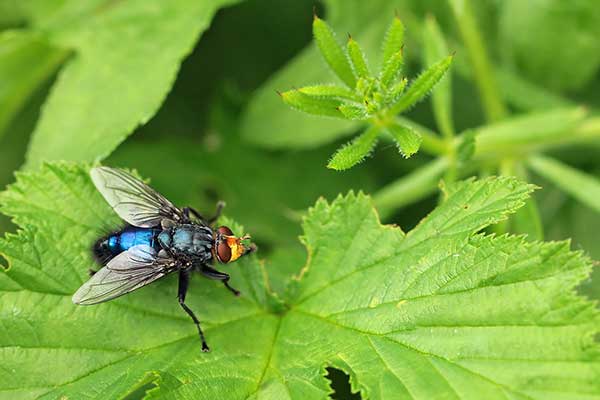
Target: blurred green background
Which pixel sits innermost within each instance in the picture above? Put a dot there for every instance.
(199, 147)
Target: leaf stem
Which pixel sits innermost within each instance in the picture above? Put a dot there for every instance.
(410, 188)
(482, 68)
(534, 132)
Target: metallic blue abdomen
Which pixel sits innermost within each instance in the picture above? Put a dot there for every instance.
(129, 237)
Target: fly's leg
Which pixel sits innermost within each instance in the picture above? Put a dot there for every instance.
(214, 218)
(184, 280)
(220, 276)
(189, 210)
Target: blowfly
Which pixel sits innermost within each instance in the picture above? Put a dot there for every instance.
(158, 240)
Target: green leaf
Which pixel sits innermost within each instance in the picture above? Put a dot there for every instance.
(26, 62)
(329, 91)
(332, 52)
(423, 85)
(354, 111)
(583, 187)
(354, 152)
(317, 105)
(435, 49)
(269, 123)
(393, 42)
(397, 90)
(126, 59)
(407, 139)
(439, 312)
(392, 68)
(358, 59)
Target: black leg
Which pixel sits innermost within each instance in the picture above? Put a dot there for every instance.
(188, 210)
(214, 218)
(184, 280)
(220, 276)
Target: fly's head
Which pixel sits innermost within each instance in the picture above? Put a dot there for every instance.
(228, 247)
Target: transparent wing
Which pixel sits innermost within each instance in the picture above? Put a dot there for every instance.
(130, 270)
(134, 201)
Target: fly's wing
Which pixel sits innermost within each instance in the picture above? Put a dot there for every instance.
(134, 201)
(130, 270)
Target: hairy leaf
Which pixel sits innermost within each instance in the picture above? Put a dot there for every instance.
(423, 85)
(270, 123)
(127, 55)
(354, 111)
(358, 59)
(442, 311)
(435, 49)
(317, 105)
(328, 91)
(394, 40)
(392, 68)
(354, 152)
(407, 139)
(332, 52)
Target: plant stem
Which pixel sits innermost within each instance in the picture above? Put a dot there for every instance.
(582, 186)
(482, 68)
(410, 188)
(535, 132)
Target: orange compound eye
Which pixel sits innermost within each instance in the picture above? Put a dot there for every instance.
(223, 230)
(223, 252)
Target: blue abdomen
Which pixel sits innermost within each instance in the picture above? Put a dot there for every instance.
(108, 247)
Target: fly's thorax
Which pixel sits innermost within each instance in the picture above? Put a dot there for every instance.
(194, 241)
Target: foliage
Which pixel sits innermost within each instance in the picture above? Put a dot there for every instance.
(371, 98)
(423, 308)
(107, 76)
(505, 144)
(186, 94)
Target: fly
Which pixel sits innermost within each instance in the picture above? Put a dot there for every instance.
(161, 239)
